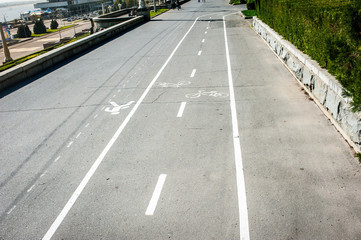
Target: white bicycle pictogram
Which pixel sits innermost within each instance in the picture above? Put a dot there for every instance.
(204, 93)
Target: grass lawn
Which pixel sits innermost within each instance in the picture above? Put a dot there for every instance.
(249, 13)
(50, 31)
(23, 59)
(159, 11)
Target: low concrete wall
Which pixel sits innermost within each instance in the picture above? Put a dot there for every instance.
(323, 87)
(38, 64)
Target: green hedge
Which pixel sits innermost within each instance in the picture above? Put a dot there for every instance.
(328, 31)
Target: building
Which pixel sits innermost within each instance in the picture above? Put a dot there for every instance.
(74, 6)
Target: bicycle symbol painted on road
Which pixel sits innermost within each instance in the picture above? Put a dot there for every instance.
(204, 93)
(174, 85)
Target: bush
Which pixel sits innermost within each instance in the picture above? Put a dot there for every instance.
(328, 31)
(23, 31)
(39, 27)
(54, 24)
(251, 6)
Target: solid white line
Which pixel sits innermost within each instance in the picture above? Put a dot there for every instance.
(42, 175)
(56, 159)
(181, 109)
(12, 209)
(241, 187)
(98, 161)
(199, 53)
(193, 72)
(156, 194)
(31, 188)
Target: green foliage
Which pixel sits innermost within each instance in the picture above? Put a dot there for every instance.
(328, 31)
(23, 31)
(28, 57)
(249, 13)
(358, 155)
(39, 27)
(236, 2)
(54, 24)
(159, 11)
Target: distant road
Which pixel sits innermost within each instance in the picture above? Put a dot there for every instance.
(186, 127)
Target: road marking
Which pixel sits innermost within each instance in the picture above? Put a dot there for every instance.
(116, 108)
(55, 225)
(56, 159)
(31, 188)
(205, 32)
(70, 143)
(207, 28)
(78, 135)
(241, 187)
(203, 40)
(114, 96)
(193, 72)
(181, 109)
(119, 89)
(156, 194)
(42, 175)
(199, 53)
(87, 125)
(12, 209)
(102, 108)
(95, 116)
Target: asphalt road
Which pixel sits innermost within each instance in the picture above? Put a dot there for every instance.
(187, 127)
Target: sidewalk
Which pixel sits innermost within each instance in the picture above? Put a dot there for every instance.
(31, 45)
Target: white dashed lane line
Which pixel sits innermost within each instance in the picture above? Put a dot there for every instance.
(156, 194)
(181, 109)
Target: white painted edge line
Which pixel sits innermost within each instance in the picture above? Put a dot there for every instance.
(241, 187)
(49, 234)
(193, 72)
(199, 53)
(156, 194)
(181, 109)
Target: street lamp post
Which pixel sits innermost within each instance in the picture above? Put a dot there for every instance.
(5, 45)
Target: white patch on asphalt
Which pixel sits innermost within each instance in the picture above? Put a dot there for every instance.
(181, 109)
(156, 194)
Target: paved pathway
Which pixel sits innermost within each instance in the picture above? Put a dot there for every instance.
(36, 44)
(186, 127)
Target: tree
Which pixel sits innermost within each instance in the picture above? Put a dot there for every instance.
(23, 31)
(54, 24)
(39, 27)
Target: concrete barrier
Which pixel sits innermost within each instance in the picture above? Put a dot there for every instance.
(320, 85)
(38, 64)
